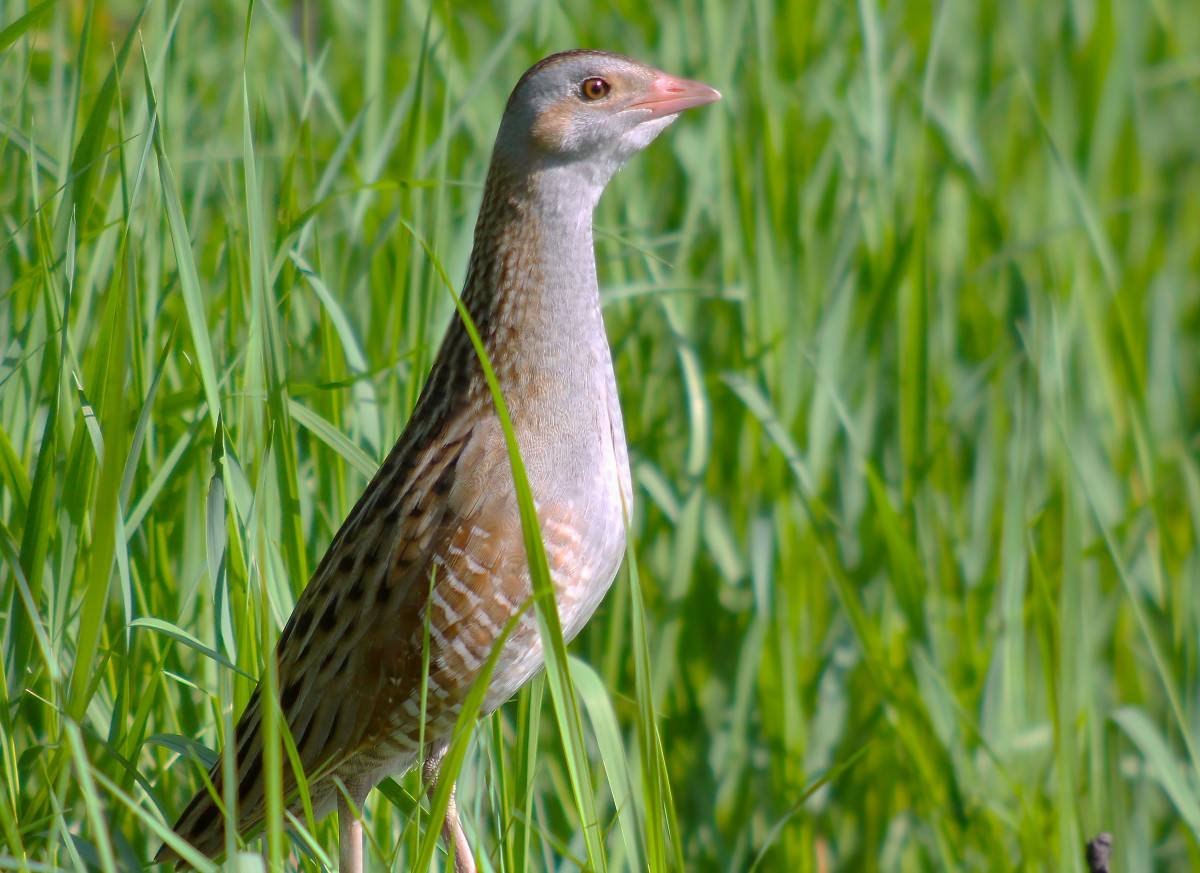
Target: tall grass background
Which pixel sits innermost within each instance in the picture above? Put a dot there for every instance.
(906, 337)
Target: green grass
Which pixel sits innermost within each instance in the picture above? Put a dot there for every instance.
(907, 332)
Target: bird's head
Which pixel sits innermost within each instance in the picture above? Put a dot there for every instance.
(590, 111)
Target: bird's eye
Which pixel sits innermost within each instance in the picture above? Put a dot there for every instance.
(594, 88)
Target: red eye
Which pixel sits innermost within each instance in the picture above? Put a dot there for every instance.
(594, 88)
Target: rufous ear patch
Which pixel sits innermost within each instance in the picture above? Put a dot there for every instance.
(552, 126)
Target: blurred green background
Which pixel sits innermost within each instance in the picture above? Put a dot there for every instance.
(906, 337)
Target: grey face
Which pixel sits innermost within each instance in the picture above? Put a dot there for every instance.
(592, 108)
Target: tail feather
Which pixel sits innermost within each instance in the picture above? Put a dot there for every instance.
(201, 823)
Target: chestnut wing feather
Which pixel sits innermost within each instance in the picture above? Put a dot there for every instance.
(385, 544)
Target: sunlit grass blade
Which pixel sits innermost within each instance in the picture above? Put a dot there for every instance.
(456, 751)
(14, 31)
(76, 200)
(35, 536)
(659, 826)
(1179, 781)
(83, 771)
(180, 635)
(596, 703)
(110, 396)
(189, 278)
(25, 597)
(562, 692)
(332, 437)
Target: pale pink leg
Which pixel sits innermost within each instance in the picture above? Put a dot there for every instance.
(350, 835)
(452, 831)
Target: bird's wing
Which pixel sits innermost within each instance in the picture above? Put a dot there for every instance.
(369, 589)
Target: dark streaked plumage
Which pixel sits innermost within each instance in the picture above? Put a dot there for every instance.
(443, 503)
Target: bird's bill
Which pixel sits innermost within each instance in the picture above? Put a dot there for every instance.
(668, 95)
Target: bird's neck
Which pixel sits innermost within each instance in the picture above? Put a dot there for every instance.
(532, 274)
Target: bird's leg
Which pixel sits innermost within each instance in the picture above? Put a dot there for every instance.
(350, 835)
(453, 834)
(452, 831)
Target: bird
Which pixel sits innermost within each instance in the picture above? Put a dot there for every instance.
(435, 540)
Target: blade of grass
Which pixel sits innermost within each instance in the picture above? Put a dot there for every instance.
(189, 278)
(460, 738)
(32, 18)
(562, 692)
(87, 786)
(111, 403)
(612, 754)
